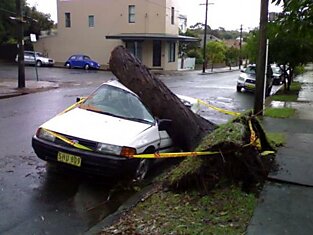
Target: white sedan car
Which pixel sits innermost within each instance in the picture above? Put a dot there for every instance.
(101, 133)
(36, 58)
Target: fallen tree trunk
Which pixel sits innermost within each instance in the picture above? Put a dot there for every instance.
(188, 129)
(239, 157)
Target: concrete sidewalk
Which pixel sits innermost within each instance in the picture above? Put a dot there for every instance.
(285, 205)
(10, 88)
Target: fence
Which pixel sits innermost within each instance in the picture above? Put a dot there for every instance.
(186, 63)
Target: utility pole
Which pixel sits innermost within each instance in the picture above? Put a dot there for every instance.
(20, 40)
(205, 33)
(240, 44)
(204, 39)
(260, 68)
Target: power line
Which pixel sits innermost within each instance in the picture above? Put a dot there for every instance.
(7, 11)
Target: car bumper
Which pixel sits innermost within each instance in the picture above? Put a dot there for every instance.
(94, 66)
(49, 63)
(91, 162)
(277, 80)
(246, 85)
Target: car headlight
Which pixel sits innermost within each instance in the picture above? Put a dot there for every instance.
(91, 63)
(45, 135)
(241, 79)
(116, 150)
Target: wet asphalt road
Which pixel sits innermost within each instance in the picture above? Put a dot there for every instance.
(36, 199)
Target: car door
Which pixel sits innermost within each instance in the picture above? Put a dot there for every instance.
(80, 61)
(29, 58)
(166, 142)
(74, 61)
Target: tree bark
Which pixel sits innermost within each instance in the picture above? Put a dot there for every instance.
(187, 128)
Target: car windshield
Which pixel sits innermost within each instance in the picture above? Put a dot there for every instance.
(117, 102)
(39, 54)
(250, 70)
(86, 58)
(276, 70)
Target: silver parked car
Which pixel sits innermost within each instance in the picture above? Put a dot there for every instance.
(247, 79)
(36, 58)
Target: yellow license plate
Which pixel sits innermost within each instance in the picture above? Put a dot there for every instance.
(69, 159)
(250, 86)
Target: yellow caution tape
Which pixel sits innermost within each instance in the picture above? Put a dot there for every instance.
(173, 155)
(68, 141)
(253, 137)
(218, 109)
(73, 106)
(265, 153)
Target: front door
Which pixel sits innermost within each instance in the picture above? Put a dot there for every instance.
(156, 54)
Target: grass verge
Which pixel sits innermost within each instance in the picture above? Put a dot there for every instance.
(288, 96)
(279, 112)
(276, 139)
(225, 210)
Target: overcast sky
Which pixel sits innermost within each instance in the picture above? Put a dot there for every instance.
(229, 14)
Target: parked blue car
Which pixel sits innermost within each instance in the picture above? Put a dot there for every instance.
(81, 61)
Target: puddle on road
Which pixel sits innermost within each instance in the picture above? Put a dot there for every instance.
(29, 189)
(215, 116)
(92, 197)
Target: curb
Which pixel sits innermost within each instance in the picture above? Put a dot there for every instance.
(226, 71)
(129, 204)
(6, 96)
(26, 91)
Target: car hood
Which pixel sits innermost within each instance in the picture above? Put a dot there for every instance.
(96, 127)
(247, 76)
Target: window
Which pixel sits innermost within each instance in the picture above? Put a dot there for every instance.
(131, 14)
(135, 48)
(171, 51)
(172, 15)
(91, 21)
(67, 19)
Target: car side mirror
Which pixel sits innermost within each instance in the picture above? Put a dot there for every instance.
(164, 124)
(81, 98)
(242, 70)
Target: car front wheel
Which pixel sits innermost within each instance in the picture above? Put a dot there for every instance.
(68, 65)
(86, 67)
(142, 170)
(38, 63)
(239, 88)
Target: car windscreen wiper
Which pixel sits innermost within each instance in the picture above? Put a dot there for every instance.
(138, 120)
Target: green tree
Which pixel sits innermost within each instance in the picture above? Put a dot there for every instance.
(297, 14)
(215, 52)
(289, 49)
(7, 29)
(250, 48)
(231, 56)
(191, 49)
(291, 35)
(35, 21)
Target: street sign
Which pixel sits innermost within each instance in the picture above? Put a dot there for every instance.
(33, 37)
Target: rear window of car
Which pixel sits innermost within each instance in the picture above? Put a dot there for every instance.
(73, 58)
